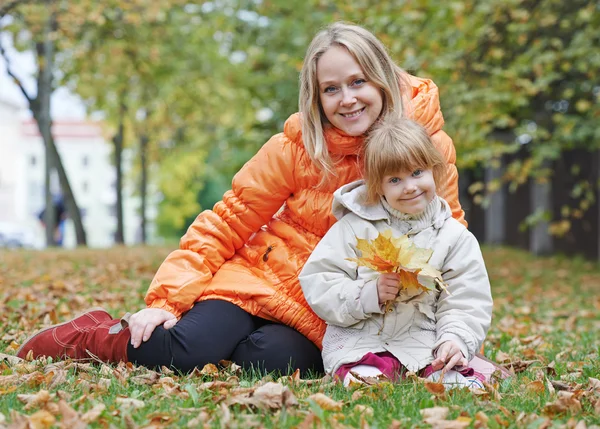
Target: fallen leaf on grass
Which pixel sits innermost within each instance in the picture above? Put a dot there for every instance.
(130, 402)
(566, 402)
(13, 360)
(34, 400)
(437, 389)
(436, 417)
(535, 387)
(93, 414)
(210, 370)
(438, 413)
(325, 402)
(594, 385)
(199, 420)
(271, 396)
(41, 420)
(70, 417)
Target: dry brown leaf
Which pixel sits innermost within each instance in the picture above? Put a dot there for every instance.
(210, 370)
(535, 387)
(356, 395)
(11, 359)
(199, 420)
(271, 396)
(130, 402)
(35, 399)
(566, 402)
(9, 380)
(364, 410)
(93, 414)
(436, 413)
(70, 417)
(493, 391)
(325, 402)
(594, 385)
(41, 420)
(311, 421)
(502, 357)
(149, 378)
(481, 420)
(437, 389)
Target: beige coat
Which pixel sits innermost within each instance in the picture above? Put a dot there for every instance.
(346, 296)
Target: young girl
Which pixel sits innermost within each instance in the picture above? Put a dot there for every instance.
(231, 290)
(423, 332)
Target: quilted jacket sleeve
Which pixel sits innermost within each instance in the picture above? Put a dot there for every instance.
(258, 190)
(336, 290)
(464, 314)
(444, 144)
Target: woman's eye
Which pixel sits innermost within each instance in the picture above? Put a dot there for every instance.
(359, 82)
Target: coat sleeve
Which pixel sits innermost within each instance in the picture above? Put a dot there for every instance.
(258, 190)
(464, 314)
(337, 291)
(444, 144)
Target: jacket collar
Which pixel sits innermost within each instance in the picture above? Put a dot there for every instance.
(351, 198)
(340, 143)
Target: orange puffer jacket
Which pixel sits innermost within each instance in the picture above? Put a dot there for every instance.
(251, 247)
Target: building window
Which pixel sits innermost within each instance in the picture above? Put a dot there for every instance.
(84, 186)
(32, 161)
(85, 161)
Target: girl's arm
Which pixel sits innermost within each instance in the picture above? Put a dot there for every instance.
(464, 315)
(339, 292)
(258, 190)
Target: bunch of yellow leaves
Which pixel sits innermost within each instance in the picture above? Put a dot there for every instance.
(389, 254)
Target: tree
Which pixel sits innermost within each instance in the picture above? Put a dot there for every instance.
(46, 20)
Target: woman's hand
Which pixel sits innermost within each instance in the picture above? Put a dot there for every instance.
(143, 323)
(387, 287)
(448, 356)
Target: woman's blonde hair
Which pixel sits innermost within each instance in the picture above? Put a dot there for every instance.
(399, 145)
(376, 64)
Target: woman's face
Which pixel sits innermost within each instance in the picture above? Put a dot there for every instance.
(350, 102)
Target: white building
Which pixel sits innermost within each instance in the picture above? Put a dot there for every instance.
(87, 159)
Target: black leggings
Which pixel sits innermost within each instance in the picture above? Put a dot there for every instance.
(216, 330)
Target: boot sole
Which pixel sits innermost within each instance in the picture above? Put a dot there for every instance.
(41, 331)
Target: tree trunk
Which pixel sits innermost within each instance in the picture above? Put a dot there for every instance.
(118, 143)
(40, 107)
(143, 183)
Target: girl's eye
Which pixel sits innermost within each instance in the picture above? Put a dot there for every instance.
(394, 180)
(417, 173)
(330, 89)
(359, 82)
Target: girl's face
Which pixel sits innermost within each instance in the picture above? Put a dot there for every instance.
(409, 191)
(350, 102)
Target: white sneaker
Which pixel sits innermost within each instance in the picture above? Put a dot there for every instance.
(452, 379)
(363, 371)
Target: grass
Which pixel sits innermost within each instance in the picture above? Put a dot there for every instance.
(546, 325)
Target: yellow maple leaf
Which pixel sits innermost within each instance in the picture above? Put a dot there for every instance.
(389, 254)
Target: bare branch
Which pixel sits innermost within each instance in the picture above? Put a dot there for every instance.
(13, 76)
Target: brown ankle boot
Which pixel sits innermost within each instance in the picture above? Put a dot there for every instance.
(88, 332)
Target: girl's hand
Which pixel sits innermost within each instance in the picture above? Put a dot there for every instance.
(448, 356)
(388, 285)
(143, 323)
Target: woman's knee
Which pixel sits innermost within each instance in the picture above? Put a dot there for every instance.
(276, 347)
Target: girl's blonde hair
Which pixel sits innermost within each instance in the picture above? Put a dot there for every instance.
(376, 64)
(399, 145)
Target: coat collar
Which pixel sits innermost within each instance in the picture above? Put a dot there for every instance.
(351, 198)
